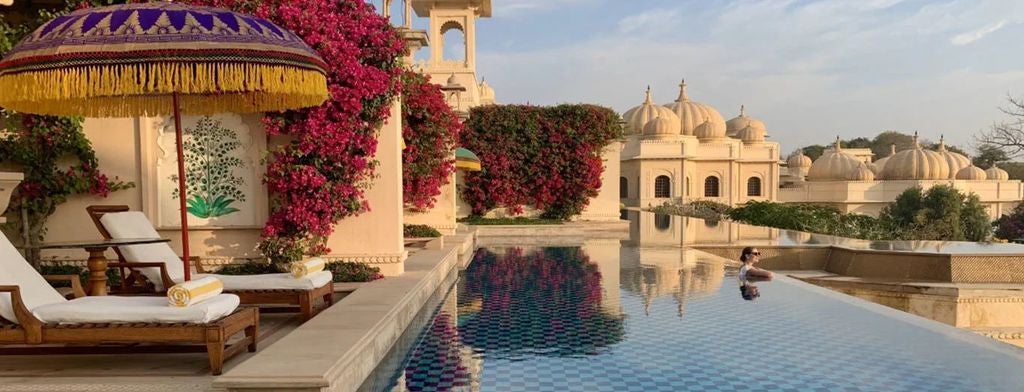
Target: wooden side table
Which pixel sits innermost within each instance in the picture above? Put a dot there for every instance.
(97, 263)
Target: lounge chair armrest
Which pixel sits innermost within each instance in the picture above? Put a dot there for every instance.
(33, 327)
(164, 276)
(75, 280)
(197, 262)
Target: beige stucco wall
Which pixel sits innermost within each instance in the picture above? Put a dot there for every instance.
(442, 216)
(869, 197)
(605, 207)
(375, 237)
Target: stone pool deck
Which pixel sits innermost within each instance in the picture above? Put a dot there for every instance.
(342, 343)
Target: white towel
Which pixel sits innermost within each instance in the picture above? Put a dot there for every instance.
(302, 268)
(194, 291)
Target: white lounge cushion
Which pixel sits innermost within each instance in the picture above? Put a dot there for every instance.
(135, 224)
(15, 271)
(112, 309)
(283, 281)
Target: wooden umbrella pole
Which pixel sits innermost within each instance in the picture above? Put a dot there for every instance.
(181, 187)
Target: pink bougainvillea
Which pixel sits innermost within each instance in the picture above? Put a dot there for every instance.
(545, 157)
(431, 131)
(319, 175)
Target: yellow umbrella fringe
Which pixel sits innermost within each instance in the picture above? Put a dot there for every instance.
(127, 90)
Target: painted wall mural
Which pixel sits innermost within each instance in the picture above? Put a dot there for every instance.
(223, 171)
(211, 158)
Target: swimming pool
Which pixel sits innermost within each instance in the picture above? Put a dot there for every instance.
(672, 319)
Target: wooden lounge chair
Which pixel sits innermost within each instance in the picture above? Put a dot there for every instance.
(36, 319)
(154, 267)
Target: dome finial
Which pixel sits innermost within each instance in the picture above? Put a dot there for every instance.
(838, 148)
(917, 143)
(743, 110)
(942, 142)
(649, 100)
(892, 149)
(682, 92)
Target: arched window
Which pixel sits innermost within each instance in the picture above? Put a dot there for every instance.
(753, 186)
(711, 187)
(453, 45)
(623, 187)
(662, 187)
(662, 222)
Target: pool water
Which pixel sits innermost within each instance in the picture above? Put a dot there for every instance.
(575, 319)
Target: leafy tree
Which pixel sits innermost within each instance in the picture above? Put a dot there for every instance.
(989, 154)
(940, 213)
(880, 145)
(1011, 227)
(431, 131)
(859, 142)
(814, 151)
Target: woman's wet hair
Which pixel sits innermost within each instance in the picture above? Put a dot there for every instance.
(745, 254)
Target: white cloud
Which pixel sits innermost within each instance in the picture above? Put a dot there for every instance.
(807, 68)
(971, 36)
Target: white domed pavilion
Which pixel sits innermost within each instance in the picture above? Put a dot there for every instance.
(702, 158)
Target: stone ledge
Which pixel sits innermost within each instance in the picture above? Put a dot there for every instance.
(340, 347)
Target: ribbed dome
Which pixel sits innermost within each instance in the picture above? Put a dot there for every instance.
(639, 116)
(971, 173)
(741, 122)
(954, 160)
(693, 115)
(861, 173)
(879, 164)
(798, 160)
(712, 129)
(751, 135)
(661, 127)
(997, 174)
(833, 165)
(486, 92)
(916, 163)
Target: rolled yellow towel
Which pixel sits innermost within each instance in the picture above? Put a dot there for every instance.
(194, 291)
(308, 266)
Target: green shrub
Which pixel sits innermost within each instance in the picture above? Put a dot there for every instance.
(113, 275)
(419, 231)
(345, 271)
(249, 268)
(703, 209)
(481, 221)
(940, 213)
(812, 218)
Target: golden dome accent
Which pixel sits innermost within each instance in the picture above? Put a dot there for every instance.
(972, 173)
(916, 163)
(833, 165)
(954, 160)
(660, 128)
(798, 160)
(694, 115)
(997, 174)
(636, 118)
(861, 173)
(743, 121)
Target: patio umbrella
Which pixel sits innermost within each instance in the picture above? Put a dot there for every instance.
(466, 160)
(156, 59)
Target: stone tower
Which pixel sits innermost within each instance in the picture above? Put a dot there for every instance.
(455, 15)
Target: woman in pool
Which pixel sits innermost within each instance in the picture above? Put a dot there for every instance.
(749, 257)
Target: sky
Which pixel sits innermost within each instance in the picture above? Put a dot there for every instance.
(811, 69)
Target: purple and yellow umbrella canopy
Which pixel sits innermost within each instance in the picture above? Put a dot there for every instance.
(466, 160)
(128, 60)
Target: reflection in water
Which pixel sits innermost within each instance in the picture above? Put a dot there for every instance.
(675, 272)
(549, 300)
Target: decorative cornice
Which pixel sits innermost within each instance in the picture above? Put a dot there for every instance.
(392, 258)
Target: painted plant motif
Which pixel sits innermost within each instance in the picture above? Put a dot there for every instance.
(210, 164)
